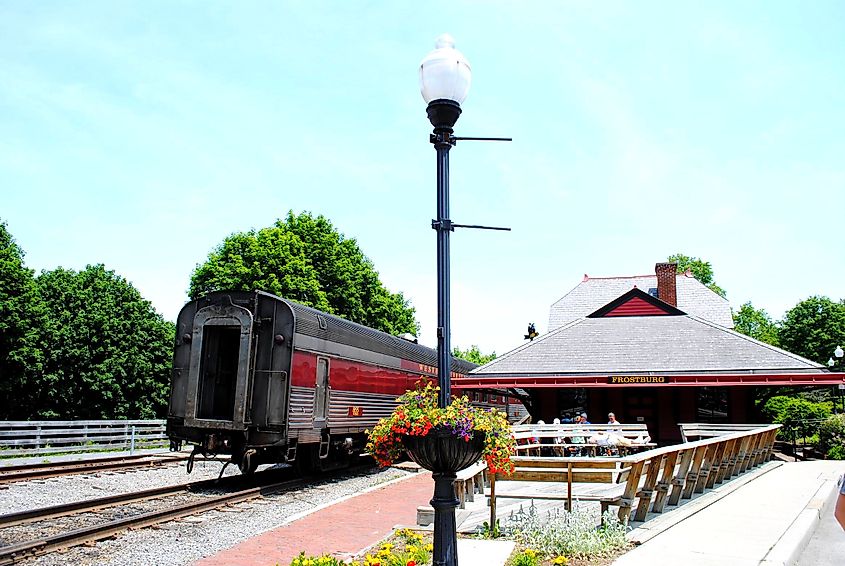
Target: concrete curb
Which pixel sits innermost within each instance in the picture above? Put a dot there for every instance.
(787, 550)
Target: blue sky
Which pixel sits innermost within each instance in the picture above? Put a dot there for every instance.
(139, 135)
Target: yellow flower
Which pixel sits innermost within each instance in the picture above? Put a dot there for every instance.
(562, 560)
(530, 552)
(429, 547)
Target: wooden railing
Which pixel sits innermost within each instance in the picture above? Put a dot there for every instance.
(666, 475)
(25, 438)
(650, 480)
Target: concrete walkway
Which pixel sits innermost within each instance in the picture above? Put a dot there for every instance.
(764, 518)
(766, 522)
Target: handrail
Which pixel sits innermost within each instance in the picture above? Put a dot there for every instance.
(663, 476)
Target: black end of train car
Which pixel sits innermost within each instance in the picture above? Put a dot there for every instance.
(231, 349)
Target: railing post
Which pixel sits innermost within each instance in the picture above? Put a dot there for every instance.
(132, 442)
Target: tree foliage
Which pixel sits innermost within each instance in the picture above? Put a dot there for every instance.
(304, 258)
(22, 316)
(110, 351)
(800, 418)
(700, 269)
(473, 354)
(756, 323)
(813, 328)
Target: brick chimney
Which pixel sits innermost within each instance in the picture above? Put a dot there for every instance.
(666, 285)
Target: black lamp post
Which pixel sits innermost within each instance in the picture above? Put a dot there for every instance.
(444, 84)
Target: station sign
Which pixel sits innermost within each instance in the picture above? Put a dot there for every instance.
(638, 379)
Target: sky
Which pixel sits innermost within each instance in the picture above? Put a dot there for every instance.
(140, 135)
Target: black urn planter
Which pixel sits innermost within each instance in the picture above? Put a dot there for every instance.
(444, 454)
(440, 451)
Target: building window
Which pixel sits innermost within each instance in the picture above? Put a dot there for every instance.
(712, 403)
(571, 401)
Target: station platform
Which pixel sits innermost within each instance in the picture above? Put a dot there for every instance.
(766, 518)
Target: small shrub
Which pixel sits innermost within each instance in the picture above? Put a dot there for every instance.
(836, 453)
(527, 557)
(561, 533)
(832, 437)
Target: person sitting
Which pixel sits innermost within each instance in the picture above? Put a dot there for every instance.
(611, 419)
(584, 419)
(558, 449)
(578, 439)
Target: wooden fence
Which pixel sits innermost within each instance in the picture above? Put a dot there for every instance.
(32, 438)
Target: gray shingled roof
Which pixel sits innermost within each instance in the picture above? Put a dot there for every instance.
(694, 298)
(641, 344)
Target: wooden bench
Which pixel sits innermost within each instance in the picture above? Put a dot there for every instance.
(712, 430)
(565, 470)
(551, 439)
(647, 481)
(469, 482)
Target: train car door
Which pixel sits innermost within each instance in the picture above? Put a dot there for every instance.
(321, 393)
(219, 367)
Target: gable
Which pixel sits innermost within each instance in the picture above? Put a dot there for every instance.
(635, 303)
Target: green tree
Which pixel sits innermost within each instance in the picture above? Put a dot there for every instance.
(800, 418)
(756, 323)
(474, 355)
(304, 258)
(813, 328)
(110, 351)
(23, 317)
(700, 269)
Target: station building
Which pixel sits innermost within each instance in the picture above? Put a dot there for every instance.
(658, 349)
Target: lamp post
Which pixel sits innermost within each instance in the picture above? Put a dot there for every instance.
(838, 352)
(444, 84)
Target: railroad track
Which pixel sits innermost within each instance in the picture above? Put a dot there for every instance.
(29, 472)
(13, 553)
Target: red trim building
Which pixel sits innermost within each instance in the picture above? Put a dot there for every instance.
(655, 349)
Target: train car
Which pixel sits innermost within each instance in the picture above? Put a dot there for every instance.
(268, 380)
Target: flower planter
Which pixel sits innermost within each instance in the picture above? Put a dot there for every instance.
(440, 451)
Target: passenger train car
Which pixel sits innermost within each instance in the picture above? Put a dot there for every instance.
(268, 380)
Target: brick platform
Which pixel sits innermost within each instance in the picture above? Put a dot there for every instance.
(342, 529)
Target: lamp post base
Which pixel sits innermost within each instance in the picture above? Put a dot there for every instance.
(445, 552)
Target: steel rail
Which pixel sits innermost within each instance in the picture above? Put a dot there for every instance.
(53, 511)
(17, 552)
(9, 474)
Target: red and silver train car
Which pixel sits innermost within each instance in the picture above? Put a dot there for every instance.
(268, 380)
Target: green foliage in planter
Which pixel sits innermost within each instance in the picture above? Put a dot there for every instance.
(832, 437)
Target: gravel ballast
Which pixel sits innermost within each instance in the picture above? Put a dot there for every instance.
(187, 540)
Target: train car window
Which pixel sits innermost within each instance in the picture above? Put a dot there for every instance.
(218, 372)
(321, 389)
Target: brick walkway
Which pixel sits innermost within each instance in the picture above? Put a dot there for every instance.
(342, 529)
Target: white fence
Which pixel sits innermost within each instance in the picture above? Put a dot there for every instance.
(23, 438)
